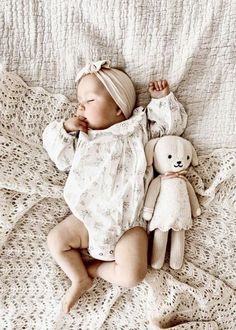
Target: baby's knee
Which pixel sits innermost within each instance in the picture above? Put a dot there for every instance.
(134, 277)
(54, 239)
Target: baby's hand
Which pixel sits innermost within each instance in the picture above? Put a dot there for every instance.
(78, 123)
(158, 88)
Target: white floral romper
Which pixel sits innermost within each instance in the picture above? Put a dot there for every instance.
(107, 182)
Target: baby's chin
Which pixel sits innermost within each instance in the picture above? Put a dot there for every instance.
(98, 126)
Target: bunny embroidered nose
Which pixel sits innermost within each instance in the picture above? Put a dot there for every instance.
(179, 164)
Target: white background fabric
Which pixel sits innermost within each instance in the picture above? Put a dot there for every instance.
(189, 43)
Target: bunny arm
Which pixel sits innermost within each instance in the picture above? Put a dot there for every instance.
(195, 207)
(151, 197)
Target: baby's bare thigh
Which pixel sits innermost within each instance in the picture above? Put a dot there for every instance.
(131, 249)
(73, 232)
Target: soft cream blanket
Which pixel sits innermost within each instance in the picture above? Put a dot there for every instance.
(190, 44)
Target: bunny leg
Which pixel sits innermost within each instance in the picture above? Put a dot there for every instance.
(159, 248)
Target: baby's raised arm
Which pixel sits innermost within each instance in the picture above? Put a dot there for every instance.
(165, 113)
(60, 143)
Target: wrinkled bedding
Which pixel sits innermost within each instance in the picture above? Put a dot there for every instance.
(43, 44)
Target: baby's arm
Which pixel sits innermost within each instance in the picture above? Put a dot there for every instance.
(166, 115)
(60, 139)
(59, 144)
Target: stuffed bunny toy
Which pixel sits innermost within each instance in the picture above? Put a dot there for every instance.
(171, 201)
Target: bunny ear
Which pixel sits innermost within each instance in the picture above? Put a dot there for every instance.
(194, 157)
(149, 149)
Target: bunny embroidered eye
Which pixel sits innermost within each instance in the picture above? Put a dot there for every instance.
(169, 156)
(188, 157)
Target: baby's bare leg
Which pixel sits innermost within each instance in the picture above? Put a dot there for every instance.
(130, 265)
(64, 240)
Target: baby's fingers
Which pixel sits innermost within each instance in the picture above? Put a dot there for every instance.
(82, 119)
(151, 86)
(83, 129)
(82, 124)
(164, 84)
(160, 85)
(157, 86)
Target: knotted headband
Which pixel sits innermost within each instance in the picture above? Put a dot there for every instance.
(117, 83)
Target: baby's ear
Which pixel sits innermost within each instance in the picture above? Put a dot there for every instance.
(194, 157)
(149, 151)
(118, 112)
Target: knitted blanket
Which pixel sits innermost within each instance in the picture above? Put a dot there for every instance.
(191, 45)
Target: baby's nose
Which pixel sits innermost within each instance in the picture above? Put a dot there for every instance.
(81, 107)
(80, 110)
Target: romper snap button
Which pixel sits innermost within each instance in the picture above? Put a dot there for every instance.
(101, 254)
(111, 251)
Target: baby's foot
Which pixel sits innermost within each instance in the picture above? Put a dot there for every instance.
(73, 294)
(158, 88)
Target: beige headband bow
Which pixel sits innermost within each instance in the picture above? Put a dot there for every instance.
(117, 83)
(92, 67)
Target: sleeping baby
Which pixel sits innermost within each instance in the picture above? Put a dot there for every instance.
(102, 148)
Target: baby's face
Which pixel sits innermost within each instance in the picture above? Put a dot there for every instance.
(96, 104)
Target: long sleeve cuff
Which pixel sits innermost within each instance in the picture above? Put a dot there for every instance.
(59, 144)
(166, 116)
(63, 134)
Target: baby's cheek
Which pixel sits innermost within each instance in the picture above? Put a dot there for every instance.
(97, 122)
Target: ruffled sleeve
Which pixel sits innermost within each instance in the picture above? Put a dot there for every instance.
(59, 145)
(166, 116)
